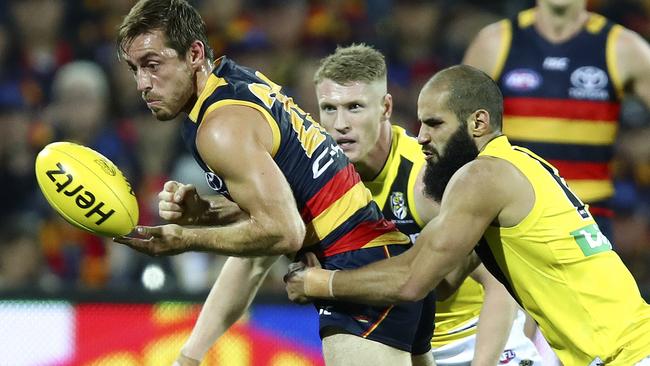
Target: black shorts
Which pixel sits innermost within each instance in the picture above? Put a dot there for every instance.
(406, 326)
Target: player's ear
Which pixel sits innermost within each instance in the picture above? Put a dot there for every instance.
(196, 54)
(388, 106)
(480, 122)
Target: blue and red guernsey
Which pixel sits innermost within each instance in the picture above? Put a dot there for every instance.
(337, 209)
(563, 100)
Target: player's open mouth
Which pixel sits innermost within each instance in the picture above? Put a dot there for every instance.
(345, 143)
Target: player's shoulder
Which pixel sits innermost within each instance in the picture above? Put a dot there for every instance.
(628, 38)
(494, 30)
(632, 54)
(487, 175)
(488, 48)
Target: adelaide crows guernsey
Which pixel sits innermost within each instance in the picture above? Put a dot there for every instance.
(337, 209)
(561, 100)
(559, 266)
(393, 189)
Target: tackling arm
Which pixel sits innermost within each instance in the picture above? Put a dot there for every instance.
(442, 244)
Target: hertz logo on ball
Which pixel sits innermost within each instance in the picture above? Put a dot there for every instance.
(87, 189)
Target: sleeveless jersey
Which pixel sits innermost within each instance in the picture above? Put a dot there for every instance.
(337, 209)
(563, 100)
(393, 191)
(559, 266)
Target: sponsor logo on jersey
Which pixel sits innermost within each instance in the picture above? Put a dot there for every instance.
(215, 183)
(522, 80)
(591, 241)
(556, 63)
(589, 82)
(398, 205)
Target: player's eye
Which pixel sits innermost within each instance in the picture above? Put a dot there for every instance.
(355, 106)
(152, 66)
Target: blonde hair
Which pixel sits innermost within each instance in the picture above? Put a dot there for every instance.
(357, 62)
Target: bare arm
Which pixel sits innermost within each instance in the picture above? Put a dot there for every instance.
(489, 48)
(633, 64)
(229, 298)
(427, 209)
(443, 243)
(495, 320)
(454, 279)
(236, 143)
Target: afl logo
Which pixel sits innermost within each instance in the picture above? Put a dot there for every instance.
(589, 77)
(398, 205)
(522, 80)
(214, 181)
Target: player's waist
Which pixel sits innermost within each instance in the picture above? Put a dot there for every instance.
(365, 235)
(452, 330)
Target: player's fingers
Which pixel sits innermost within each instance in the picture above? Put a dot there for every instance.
(170, 215)
(134, 243)
(293, 268)
(165, 196)
(171, 186)
(149, 231)
(169, 206)
(312, 260)
(183, 191)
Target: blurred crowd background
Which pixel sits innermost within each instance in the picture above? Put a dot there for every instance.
(60, 80)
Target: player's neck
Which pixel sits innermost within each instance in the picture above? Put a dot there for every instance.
(374, 162)
(560, 24)
(200, 80)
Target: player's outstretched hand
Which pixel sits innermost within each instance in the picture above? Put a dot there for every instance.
(156, 240)
(180, 203)
(295, 278)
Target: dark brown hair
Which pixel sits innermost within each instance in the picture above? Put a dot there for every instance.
(177, 19)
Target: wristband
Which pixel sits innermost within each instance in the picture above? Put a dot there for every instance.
(318, 283)
(331, 282)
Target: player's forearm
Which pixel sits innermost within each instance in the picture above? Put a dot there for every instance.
(229, 298)
(380, 283)
(494, 325)
(221, 211)
(247, 238)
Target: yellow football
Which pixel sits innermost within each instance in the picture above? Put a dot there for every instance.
(87, 189)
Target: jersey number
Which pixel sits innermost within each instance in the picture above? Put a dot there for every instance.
(310, 137)
(573, 199)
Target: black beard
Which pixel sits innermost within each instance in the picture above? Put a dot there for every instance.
(460, 150)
